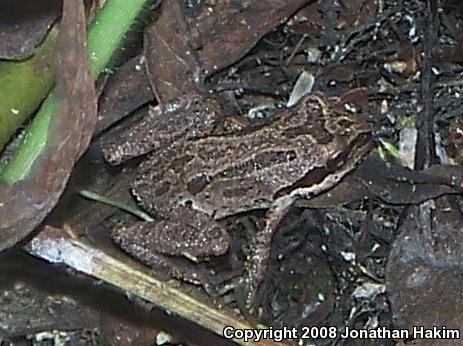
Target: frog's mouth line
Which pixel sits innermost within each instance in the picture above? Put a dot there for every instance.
(356, 150)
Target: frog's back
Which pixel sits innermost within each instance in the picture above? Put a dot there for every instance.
(234, 173)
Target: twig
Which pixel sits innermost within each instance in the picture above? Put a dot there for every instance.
(426, 152)
(296, 48)
(63, 247)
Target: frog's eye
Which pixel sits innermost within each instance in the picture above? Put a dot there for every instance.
(291, 155)
(345, 123)
(340, 125)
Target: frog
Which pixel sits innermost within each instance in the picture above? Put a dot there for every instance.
(195, 176)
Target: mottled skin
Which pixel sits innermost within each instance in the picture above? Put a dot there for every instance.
(194, 182)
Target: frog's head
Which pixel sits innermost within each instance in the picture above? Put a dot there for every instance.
(347, 125)
(334, 116)
(326, 120)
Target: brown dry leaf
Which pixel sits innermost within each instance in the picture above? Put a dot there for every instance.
(25, 204)
(24, 24)
(308, 20)
(169, 59)
(391, 184)
(358, 97)
(126, 90)
(424, 280)
(206, 37)
(341, 73)
(222, 32)
(355, 12)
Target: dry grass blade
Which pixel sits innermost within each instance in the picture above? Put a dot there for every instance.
(58, 246)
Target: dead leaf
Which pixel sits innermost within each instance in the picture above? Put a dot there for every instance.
(184, 42)
(222, 32)
(24, 24)
(25, 204)
(391, 184)
(126, 90)
(424, 280)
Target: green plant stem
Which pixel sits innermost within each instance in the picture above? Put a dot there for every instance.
(24, 85)
(104, 37)
(108, 29)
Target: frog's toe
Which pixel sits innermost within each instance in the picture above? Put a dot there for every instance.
(218, 240)
(228, 282)
(247, 300)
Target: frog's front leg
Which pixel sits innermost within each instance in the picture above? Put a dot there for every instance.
(185, 233)
(190, 117)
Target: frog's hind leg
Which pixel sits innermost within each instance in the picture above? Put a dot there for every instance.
(191, 236)
(259, 255)
(181, 235)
